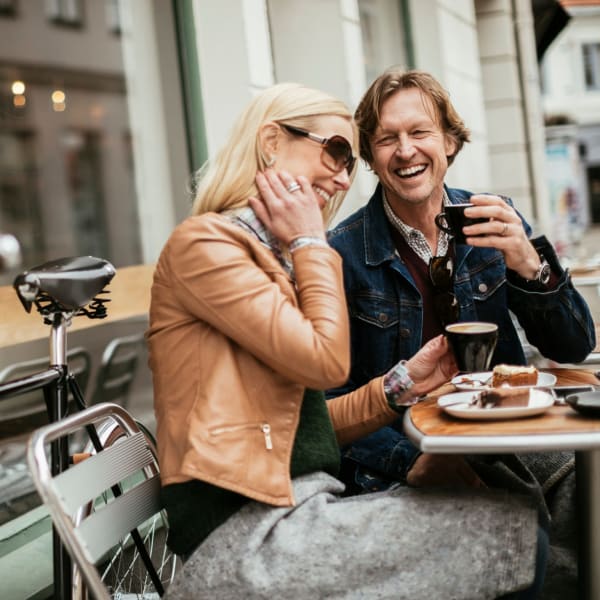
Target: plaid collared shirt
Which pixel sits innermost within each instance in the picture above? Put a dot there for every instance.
(415, 238)
(246, 218)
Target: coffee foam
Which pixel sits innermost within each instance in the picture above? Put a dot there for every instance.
(473, 327)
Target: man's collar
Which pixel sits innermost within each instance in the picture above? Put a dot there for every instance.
(379, 245)
(419, 245)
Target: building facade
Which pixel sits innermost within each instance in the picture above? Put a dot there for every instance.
(571, 101)
(108, 107)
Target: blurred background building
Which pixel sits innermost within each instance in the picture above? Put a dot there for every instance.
(107, 107)
(570, 79)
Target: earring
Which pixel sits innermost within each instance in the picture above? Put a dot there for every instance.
(271, 161)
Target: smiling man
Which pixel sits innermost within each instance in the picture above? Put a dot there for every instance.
(405, 279)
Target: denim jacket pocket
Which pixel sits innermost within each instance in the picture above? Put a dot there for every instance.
(481, 290)
(485, 287)
(374, 331)
(374, 309)
(482, 275)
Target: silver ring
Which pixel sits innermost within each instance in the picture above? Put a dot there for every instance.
(504, 228)
(293, 187)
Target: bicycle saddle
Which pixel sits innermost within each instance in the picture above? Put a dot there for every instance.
(71, 282)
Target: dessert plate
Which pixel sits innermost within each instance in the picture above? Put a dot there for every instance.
(483, 381)
(459, 405)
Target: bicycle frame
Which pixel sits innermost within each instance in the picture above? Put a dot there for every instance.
(60, 289)
(53, 382)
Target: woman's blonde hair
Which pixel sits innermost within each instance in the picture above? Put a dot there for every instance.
(227, 181)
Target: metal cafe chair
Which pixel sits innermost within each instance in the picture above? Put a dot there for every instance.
(106, 508)
(117, 370)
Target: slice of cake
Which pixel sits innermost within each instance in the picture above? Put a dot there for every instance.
(501, 398)
(514, 375)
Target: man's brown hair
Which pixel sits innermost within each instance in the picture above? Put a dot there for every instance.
(392, 80)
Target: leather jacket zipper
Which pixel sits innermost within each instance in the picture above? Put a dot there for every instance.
(264, 427)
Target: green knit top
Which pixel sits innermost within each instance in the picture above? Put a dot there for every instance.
(195, 508)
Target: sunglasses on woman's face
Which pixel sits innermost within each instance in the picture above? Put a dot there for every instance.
(337, 152)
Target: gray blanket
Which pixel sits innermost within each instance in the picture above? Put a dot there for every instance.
(402, 544)
(549, 479)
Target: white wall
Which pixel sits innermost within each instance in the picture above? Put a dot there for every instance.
(155, 112)
(512, 106)
(223, 57)
(445, 37)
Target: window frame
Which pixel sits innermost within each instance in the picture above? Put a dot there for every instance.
(590, 54)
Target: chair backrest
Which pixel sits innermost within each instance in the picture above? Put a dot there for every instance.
(23, 413)
(117, 370)
(69, 495)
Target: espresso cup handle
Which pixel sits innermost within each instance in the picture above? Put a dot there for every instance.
(440, 221)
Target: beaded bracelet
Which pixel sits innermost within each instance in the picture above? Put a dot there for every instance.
(306, 240)
(396, 384)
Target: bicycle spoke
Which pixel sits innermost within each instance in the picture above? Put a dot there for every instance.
(124, 572)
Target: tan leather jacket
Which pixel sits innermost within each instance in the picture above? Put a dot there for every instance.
(233, 344)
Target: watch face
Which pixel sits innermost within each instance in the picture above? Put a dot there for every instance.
(544, 276)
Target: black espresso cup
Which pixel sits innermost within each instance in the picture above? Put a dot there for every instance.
(473, 344)
(452, 220)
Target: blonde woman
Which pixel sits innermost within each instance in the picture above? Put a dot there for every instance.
(248, 324)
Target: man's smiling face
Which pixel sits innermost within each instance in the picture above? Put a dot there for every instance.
(410, 149)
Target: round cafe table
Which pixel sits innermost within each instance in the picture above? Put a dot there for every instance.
(560, 428)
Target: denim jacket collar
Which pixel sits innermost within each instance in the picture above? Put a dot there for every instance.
(379, 248)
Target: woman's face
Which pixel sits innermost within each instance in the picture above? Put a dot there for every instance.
(299, 155)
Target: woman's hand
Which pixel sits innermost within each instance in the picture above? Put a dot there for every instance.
(504, 231)
(287, 214)
(432, 366)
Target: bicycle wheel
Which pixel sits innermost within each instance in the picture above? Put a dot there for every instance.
(124, 572)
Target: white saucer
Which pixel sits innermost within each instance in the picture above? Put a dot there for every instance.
(458, 405)
(477, 381)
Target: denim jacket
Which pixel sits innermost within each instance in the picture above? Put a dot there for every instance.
(385, 305)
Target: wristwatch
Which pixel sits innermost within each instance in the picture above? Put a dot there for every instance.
(542, 275)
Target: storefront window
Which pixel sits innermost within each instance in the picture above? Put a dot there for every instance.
(66, 165)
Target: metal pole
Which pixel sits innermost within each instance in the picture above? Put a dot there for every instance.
(57, 401)
(588, 487)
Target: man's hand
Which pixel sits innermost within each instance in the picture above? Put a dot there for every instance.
(503, 231)
(432, 470)
(432, 366)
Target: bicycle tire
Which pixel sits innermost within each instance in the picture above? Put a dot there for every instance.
(124, 572)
